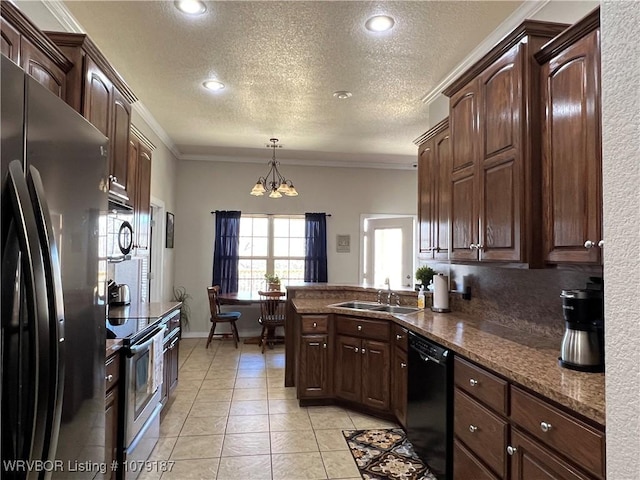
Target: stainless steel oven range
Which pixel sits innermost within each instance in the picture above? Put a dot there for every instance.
(142, 371)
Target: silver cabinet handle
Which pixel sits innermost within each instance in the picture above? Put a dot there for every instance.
(314, 344)
(589, 244)
(398, 337)
(403, 365)
(601, 243)
(363, 351)
(545, 427)
(511, 450)
(473, 382)
(357, 349)
(324, 345)
(473, 428)
(109, 378)
(473, 246)
(479, 246)
(315, 325)
(359, 328)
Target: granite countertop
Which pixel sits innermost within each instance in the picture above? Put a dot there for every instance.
(113, 346)
(143, 310)
(524, 358)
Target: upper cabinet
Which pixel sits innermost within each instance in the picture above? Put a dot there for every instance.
(494, 118)
(434, 165)
(25, 45)
(139, 177)
(98, 92)
(571, 145)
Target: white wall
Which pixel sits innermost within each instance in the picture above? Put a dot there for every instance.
(345, 193)
(621, 188)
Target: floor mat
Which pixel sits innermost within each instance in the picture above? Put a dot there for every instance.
(385, 454)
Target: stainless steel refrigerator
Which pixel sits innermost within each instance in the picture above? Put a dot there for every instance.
(54, 184)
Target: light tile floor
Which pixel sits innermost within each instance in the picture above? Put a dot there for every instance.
(233, 419)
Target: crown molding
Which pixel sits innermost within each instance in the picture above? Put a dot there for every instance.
(60, 12)
(410, 165)
(527, 10)
(156, 128)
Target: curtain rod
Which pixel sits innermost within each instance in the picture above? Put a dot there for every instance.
(326, 214)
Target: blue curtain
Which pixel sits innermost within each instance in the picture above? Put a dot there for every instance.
(315, 260)
(225, 252)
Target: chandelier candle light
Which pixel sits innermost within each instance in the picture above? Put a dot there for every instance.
(274, 182)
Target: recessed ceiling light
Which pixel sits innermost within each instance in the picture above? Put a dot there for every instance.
(191, 7)
(380, 23)
(213, 85)
(342, 94)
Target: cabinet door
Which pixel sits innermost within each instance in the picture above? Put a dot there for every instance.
(399, 379)
(501, 189)
(376, 374)
(142, 207)
(97, 99)
(10, 41)
(47, 73)
(111, 429)
(166, 380)
(174, 354)
(119, 141)
(571, 153)
(348, 369)
(463, 121)
(442, 195)
(313, 375)
(531, 461)
(467, 466)
(426, 163)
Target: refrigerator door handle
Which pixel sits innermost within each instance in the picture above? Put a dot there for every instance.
(51, 258)
(36, 300)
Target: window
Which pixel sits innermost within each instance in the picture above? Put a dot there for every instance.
(270, 243)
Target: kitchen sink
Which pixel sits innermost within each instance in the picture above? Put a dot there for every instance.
(376, 307)
(358, 305)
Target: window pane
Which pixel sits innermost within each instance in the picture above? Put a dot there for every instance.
(296, 247)
(388, 255)
(296, 227)
(261, 226)
(281, 227)
(260, 246)
(246, 226)
(280, 247)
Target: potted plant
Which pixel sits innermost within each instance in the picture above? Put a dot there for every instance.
(424, 275)
(180, 295)
(273, 281)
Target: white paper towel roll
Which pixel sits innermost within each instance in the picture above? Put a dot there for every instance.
(441, 292)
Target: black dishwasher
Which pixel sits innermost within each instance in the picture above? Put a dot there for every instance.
(430, 404)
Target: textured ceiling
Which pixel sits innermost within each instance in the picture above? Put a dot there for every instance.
(281, 63)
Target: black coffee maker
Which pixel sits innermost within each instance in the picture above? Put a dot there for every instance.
(583, 342)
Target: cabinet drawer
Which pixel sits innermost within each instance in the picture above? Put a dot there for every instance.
(173, 323)
(112, 371)
(481, 384)
(315, 324)
(359, 327)
(466, 466)
(559, 430)
(482, 431)
(400, 338)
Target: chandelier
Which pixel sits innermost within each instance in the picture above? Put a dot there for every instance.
(274, 182)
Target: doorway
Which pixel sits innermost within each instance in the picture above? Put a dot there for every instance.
(156, 272)
(388, 250)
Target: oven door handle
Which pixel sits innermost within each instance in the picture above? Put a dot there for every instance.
(135, 349)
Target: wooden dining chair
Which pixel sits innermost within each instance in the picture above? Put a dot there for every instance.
(272, 315)
(221, 317)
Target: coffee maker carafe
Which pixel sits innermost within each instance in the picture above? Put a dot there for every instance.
(583, 342)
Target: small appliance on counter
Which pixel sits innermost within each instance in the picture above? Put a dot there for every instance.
(118, 294)
(583, 342)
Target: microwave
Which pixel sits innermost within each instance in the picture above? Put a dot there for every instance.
(119, 232)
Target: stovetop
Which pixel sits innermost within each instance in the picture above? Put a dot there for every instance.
(130, 329)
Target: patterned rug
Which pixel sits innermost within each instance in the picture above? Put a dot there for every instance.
(385, 454)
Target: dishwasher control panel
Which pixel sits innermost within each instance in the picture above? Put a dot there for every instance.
(427, 347)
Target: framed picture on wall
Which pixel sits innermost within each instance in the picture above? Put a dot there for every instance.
(343, 243)
(169, 240)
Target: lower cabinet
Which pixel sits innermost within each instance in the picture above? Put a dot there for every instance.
(399, 375)
(111, 407)
(502, 431)
(314, 375)
(171, 348)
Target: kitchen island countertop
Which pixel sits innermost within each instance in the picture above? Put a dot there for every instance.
(520, 356)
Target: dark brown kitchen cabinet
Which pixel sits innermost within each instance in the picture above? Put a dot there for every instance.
(111, 408)
(139, 186)
(27, 46)
(572, 145)
(98, 92)
(399, 385)
(314, 358)
(434, 155)
(494, 123)
(170, 358)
